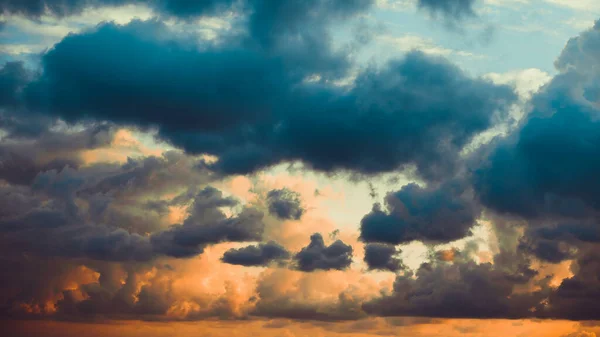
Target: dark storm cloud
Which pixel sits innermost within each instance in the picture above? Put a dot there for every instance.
(285, 204)
(259, 255)
(207, 224)
(204, 91)
(318, 256)
(153, 175)
(453, 9)
(560, 242)
(252, 109)
(101, 231)
(544, 172)
(435, 214)
(460, 290)
(23, 158)
(577, 296)
(548, 166)
(13, 77)
(379, 256)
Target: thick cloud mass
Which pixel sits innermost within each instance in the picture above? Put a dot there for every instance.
(260, 255)
(457, 291)
(207, 224)
(252, 109)
(61, 227)
(86, 235)
(21, 161)
(318, 256)
(439, 214)
(549, 165)
(13, 76)
(285, 204)
(380, 256)
(110, 76)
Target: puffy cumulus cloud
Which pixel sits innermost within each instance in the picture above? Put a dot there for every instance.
(259, 255)
(33, 287)
(285, 204)
(148, 238)
(432, 214)
(380, 256)
(24, 156)
(320, 295)
(556, 243)
(208, 224)
(184, 93)
(452, 9)
(574, 297)
(459, 290)
(318, 256)
(545, 168)
(447, 255)
(110, 211)
(541, 175)
(260, 108)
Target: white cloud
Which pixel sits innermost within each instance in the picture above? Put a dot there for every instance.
(583, 5)
(526, 82)
(396, 5)
(410, 42)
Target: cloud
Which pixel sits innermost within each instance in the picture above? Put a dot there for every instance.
(61, 227)
(318, 256)
(380, 256)
(285, 204)
(559, 242)
(451, 9)
(13, 77)
(34, 9)
(264, 109)
(207, 224)
(30, 148)
(574, 297)
(435, 214)
(112, 238)
(260, 255)
(459, 290)
(546, 166)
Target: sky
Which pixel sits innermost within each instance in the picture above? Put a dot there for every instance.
(300, 168)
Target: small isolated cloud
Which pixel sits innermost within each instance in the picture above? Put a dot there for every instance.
(259, 255)
(318, 256)
(285, 204)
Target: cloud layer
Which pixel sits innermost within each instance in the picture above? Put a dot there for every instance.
(90, 230)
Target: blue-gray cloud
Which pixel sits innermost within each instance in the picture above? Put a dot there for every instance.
(260, 255)
(318, 256)
(434, 214)
(253, 109)
(451, 9)
(548, 166)
(380, 256)
(285, 204)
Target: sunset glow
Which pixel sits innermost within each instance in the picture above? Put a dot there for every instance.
(411, 168)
